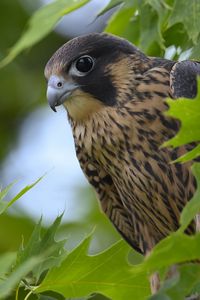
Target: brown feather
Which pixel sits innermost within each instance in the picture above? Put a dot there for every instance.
(118, 142)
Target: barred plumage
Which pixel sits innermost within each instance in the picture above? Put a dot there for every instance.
(116, 110)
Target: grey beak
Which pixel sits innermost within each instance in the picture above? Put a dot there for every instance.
(58, 90)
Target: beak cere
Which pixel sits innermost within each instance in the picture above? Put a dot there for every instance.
(58, 90)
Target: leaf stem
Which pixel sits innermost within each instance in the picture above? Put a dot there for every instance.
(28, 295)
(17, 293)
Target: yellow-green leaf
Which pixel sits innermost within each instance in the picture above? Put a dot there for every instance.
(4, 205)
(108, 273)
(193, 206)
(188, 112)
(40, 24)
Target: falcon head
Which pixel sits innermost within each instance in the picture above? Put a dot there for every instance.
(90, 72)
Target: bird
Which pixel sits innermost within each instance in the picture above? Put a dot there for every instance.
(115, 96)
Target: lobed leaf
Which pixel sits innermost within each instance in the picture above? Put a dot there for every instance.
(44, 245)
(108, 273)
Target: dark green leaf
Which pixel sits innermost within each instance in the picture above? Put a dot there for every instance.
(7, 285)
(188, 13)
(45, 245)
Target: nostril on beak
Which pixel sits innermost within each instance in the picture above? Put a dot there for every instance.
(56, 82)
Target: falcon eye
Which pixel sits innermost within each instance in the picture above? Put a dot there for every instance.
(84, 64)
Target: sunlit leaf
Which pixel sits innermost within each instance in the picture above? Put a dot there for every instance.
(108, 273)
(40, 24)
(188, 112)
(193, 206)
(194, 153)
(80, 275)
(4, 205)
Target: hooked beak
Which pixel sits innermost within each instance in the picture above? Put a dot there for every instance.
(58, 90)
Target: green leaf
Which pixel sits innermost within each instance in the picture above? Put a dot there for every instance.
(196, 289)
(4, 205)
(174, 249)
(151, 19)
(163, 11)
(108, 273)
(120, 20)
(40, 24)
(176, 36)
(80, 275)
(45, 245)
(159, 5)
(181, 284)
(194, 153)
(188, 13)
(110, 5)
(193, 206)
(7, 285)
(196, 51)
(5, 191)
(188, 112)
(6, 261)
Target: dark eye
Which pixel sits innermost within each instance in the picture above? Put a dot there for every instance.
(84, 64)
